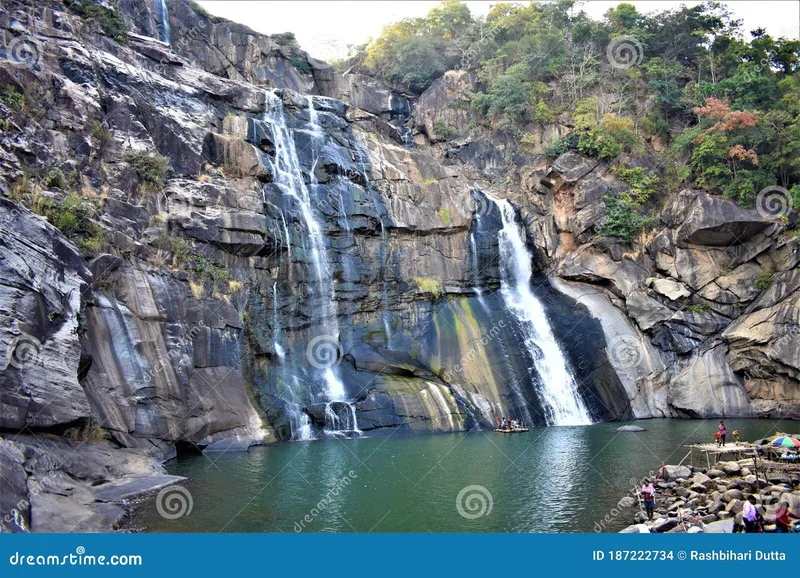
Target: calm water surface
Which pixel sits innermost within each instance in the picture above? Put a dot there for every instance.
(559, 479)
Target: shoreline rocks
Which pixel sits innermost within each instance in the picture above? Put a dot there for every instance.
(50, 484)
(710, 500)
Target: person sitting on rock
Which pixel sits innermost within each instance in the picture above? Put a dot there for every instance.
(649, 497)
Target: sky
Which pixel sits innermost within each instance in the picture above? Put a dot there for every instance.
(324, 28)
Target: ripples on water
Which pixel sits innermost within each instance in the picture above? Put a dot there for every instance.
(558, 479)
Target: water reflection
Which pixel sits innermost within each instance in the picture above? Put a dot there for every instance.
(561, 479)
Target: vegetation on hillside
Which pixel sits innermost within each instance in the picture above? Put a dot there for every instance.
(720, 104)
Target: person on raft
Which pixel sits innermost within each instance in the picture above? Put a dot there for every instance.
(722, 433)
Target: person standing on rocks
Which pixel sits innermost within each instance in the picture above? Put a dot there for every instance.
(649, 497)
(722, 432)
(749, 516)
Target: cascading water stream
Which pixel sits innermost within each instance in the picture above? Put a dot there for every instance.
(288, 177)
(383, 255)
(558, 391)
(162, 15)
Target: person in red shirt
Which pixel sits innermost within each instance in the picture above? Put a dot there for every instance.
(722, 431)
(783, 523)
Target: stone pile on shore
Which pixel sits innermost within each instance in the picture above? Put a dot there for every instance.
(693, 499)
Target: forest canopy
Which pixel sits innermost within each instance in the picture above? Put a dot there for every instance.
(718, 105)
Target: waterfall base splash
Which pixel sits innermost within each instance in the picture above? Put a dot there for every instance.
(340, 419)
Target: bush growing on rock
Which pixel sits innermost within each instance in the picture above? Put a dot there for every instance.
(100, 135)
(428, 285)
(151, 168)
(12, 98)
(110, 20)
(763, 280)
(73, 218)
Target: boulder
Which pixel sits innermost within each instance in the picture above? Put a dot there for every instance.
(715, 473)
(714, 221)
(730, 468)
(671, 473)
(636, 529)
(730, 495)
(720, 527)
(630, 428)
(662, 525)
(627, 502)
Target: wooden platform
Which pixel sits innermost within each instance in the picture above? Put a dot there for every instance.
(516, 430)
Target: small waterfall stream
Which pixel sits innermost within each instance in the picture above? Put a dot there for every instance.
(340, 416)
(162, 17)
(558, 391)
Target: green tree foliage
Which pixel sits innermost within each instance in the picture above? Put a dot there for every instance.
(723, 106)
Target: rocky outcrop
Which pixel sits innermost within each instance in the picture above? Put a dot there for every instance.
(43, 286)
(54, 485)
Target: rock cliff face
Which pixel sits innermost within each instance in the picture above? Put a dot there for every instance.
(295, 208)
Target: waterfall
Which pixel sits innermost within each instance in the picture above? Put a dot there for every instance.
(558, 391)
(276, 325)
(288, 177)
(383, 256)
(162, 15)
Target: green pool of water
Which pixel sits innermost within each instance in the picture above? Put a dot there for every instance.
(560, 479)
